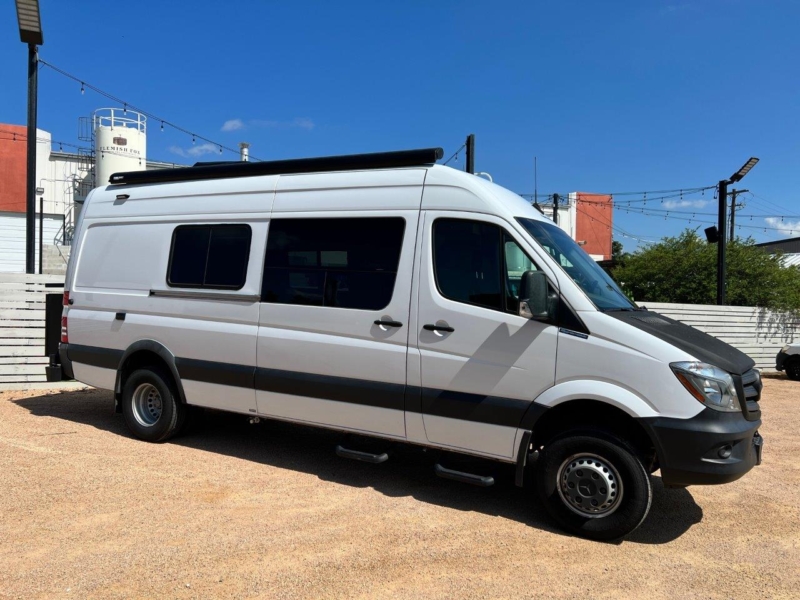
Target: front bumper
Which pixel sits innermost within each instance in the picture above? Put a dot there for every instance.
(710, 448)
(780, 360)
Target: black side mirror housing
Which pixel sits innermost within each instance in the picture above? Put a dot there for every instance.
(534, 302)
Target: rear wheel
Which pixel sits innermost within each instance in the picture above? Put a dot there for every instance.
(594, 487)
(793, 369)
(150, 405)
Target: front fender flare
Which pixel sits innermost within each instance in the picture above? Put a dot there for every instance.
(601, 391)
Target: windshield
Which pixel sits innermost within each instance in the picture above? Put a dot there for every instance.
(584, 271)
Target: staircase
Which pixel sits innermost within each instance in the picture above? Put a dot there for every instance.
(22, 302)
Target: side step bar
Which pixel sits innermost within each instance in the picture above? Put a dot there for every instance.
(479, 480)
(366, 457)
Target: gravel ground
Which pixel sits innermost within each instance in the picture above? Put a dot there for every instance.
(237, 510)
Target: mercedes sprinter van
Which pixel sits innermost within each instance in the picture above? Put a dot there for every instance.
(388, 296)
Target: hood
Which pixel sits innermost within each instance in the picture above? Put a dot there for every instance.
(702, 346)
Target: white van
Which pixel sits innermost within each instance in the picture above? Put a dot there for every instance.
(388, 296)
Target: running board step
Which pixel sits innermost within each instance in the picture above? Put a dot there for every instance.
(362, 456)
(479, 480)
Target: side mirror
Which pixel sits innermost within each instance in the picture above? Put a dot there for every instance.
(533, 300)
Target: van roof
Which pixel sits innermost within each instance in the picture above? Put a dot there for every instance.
(445, 188)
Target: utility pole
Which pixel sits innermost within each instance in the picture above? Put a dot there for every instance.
(734, 193)
(555, 209)
(471, 153)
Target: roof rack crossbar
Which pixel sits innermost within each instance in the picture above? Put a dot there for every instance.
(350, 162)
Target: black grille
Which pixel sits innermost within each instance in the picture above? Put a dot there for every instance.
(751, 381)
(750, 393)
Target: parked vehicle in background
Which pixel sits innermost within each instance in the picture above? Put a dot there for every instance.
(788, 360)
(388, 296)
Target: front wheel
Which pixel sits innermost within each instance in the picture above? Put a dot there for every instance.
(593, 487)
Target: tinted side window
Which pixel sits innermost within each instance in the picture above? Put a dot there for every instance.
(345, 263)
(467, 262)
(209, 256)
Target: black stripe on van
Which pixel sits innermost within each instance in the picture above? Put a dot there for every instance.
(215, 372)
(105, 358)
(340, 389)
(478, 408)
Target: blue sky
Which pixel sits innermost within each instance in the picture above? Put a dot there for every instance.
(610, 96)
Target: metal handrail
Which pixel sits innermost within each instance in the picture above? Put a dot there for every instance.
(117, 117)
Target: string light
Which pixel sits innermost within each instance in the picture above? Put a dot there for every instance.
(149, 115)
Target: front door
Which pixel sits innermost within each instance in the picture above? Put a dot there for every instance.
(481, 363)
(333, 329)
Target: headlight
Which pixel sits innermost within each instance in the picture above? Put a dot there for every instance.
(785, 349)
(708, 384)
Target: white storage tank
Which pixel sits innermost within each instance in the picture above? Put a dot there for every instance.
(120, 142)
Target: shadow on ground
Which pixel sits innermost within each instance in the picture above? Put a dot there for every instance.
(409, 472)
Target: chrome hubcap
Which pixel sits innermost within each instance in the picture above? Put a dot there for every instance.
(589, 485)
(146, 404)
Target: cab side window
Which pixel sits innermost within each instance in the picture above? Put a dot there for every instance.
(478, 263)
(334, 262)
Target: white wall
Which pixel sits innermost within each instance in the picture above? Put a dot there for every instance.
(758, 332)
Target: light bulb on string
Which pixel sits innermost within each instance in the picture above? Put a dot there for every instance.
(82, 90)
(162, 125)
(125, 109)
(193, 138)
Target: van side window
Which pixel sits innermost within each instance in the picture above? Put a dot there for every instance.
(478, 263)
(209, 256)
(337, 262)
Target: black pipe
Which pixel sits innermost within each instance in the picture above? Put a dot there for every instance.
(41, 232)
(471, 153)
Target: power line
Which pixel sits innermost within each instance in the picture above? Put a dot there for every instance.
(128, 105)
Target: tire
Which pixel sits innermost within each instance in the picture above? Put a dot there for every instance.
(605, 491)
(792, 369)
(150, 405)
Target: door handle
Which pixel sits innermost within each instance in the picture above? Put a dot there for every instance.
(430, 327)
(388, 323)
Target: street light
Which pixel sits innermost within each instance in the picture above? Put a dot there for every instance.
(744, 170)
(30, 32)
(722, 266)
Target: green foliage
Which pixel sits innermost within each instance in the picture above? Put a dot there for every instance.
(683, 269)
(618, 255)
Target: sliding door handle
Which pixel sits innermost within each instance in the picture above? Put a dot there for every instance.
(446, 328)
(388, 323)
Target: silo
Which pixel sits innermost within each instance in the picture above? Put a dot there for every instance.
(120, 142)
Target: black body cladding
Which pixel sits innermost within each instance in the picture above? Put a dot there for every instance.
(693, 341)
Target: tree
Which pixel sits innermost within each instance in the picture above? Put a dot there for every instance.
(618, 254)
(683, 269)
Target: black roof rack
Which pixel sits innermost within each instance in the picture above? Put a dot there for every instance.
(350, 162)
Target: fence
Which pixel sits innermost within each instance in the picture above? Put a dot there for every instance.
(758, 332)
(22, 301)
